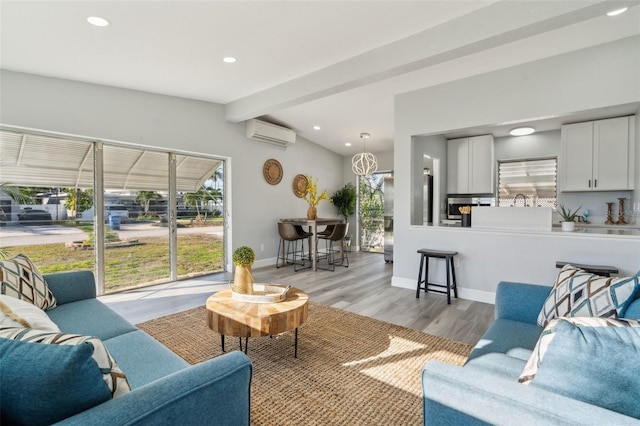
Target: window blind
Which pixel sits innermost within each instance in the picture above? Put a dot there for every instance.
(528, 182)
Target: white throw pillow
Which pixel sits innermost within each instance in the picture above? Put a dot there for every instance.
(19, 313)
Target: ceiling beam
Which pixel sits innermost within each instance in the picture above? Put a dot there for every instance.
(497, 24)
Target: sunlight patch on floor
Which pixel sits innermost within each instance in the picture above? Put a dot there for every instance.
(397, 345)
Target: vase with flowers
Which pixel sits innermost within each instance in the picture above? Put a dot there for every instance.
(312, 197)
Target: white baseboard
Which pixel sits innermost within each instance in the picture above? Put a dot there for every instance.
(463, 293)
(477, 295)
(403, 283)
(265, 262)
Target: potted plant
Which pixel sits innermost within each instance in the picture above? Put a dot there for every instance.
(345, 200)
(243, 258)
(312, 197)
(568, 217)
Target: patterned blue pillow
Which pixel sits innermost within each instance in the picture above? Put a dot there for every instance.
(20, 278)
(577, 293)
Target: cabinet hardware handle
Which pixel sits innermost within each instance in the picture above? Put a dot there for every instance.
(589, 183)
(595, 183)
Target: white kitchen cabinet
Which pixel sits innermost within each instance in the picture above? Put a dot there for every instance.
(598, 155)
(470, 165)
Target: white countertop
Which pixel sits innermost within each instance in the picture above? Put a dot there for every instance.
(601, 230)
(582, 230)
(538, 221)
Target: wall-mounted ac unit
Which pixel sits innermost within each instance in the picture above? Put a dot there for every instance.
(271, 133)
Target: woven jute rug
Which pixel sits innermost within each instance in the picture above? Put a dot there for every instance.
(350, 370)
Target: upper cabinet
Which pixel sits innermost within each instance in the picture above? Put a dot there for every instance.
(598, 155)
(470, 165)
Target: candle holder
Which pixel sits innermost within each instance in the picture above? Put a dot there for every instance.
(609, 214)
(621, 220)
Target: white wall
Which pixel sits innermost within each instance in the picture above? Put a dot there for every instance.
(542, 144)
(636, 193)
(145, 119)
(592, 78)
(436, 147)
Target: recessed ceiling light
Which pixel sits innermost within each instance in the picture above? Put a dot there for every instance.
(522, 131)
(316, 127)
(347, 144)
(229, 59)
(98, 21)
(617, 11)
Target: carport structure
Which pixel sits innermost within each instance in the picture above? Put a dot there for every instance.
(41, 160)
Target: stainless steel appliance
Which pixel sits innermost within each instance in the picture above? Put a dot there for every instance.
(456, 201)
(388, 219)
(427, 200)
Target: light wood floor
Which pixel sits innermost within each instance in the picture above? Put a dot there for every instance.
(363, 288)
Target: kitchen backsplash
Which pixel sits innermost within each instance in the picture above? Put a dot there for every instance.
(596, 203)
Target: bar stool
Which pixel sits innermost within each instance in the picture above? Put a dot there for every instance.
(288, 235)
(337, 235)
(451, 272)
(602, 270)
(303, 235)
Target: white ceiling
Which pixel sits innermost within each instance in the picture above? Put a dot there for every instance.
(336, 64)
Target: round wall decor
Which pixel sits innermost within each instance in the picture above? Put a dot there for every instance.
(272, 171)
(300, 183)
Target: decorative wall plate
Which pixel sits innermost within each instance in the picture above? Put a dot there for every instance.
(272, 171)
(300, 183)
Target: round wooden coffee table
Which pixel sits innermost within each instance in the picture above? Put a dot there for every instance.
(243, 319)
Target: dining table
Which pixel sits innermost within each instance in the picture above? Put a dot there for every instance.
(313, 229)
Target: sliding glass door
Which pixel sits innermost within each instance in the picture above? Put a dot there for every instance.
(372, 211)
(160, 213)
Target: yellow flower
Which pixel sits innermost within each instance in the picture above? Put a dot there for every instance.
(312, 196)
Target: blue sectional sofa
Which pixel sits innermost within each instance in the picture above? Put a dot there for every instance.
(486, 389)
(164, 388)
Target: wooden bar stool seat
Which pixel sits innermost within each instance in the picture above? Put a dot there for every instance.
(426, 254)
(601, 270)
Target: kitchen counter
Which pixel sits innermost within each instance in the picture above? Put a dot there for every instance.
(582, 230)
(601, 230)
(539, 221)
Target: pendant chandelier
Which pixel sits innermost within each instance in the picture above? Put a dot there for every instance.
(364, 163)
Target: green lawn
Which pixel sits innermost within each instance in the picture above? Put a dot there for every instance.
(133, 265)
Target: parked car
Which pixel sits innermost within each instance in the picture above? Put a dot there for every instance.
(116, 209)
(3, 217)
(185, 211)
(34, 217)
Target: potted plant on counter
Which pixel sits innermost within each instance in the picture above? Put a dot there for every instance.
(568, 218)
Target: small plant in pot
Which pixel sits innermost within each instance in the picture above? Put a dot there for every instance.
(568, 217)
(243, 258)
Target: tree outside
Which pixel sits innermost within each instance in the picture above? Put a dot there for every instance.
(146, 197)
(78, 200)
(372, 213)
(201, 199)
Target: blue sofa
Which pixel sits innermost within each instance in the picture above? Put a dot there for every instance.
(486, 389)
(165, 389)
